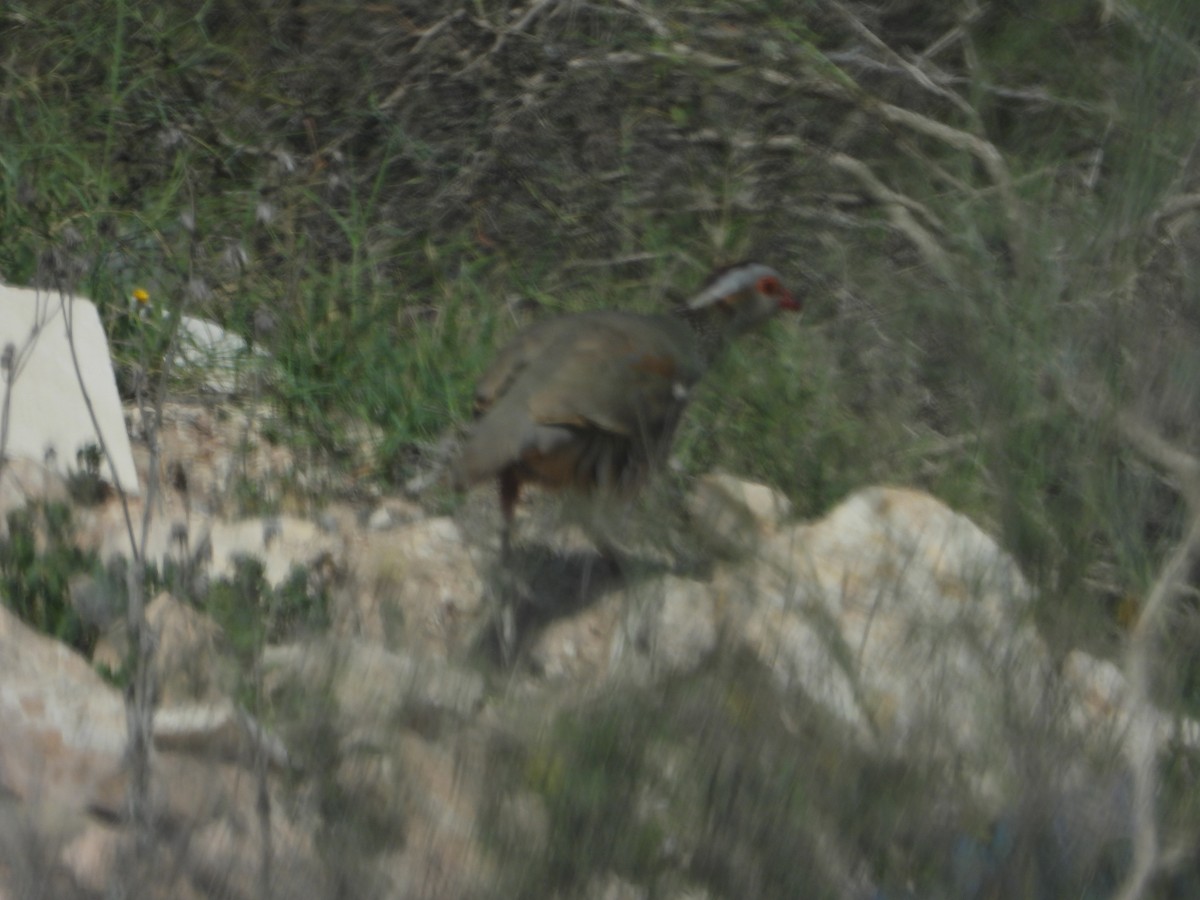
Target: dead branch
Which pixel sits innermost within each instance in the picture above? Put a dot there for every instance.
(535, 11)
(1143, 738)
(680, 52)
(985, 151)
(435, 29)
(651, 21)
(1181, 467)
(900, 210)
(953, 35)
(1176, 206)
(913, 71)
(1034, 96)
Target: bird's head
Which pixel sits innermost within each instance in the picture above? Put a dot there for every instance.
(745, 295)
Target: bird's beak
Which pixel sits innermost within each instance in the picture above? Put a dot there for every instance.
(789, 302)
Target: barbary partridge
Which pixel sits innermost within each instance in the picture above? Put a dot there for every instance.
(591, 400)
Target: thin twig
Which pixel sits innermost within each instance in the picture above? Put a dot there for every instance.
(1143, 738)
(139, 697)
(1181, 466)
(900, 210)
(984, 151)
(651, 21)
(913, 71)
(536, 9)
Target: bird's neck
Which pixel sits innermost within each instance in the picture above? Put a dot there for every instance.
(711, 326)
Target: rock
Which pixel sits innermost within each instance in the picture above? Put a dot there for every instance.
(612, 887)
(42, 327)
(190, 661)
(93, 856)
(662, 626)
(175, 532)
(368, 683)
(280, 543)
(218, 357)
(64, 727)
(62, 775)
(202, 548)
(441, 855)
(1099, 698)
(684, 626)
(97, 601)
(210, 454)
(580, 647)
(413, 586)
(394, 513)
(736, 513)
(903, 619)
(215, 806)
(219, 731)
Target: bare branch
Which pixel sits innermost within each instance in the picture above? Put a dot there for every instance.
(900, 210)
(536, 9)
(651, 21)
(985, 151)
(1034, 96)
(1143, 739)
(1182, 467)
(1176, 206)
(914, 72)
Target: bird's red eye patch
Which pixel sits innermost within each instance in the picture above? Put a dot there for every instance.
(769, 286)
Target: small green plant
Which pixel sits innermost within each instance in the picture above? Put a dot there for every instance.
(252, 612)
(85, 484)
(588, 775)
(37, 559)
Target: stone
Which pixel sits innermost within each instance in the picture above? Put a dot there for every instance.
(49, 418)
(580, 647)
(1099, 696)
(442, 855)
(218, 731)
(63, 777)
(281, 543)
(903, 619)
(416, 585)
(684, 626)
(735, 511)
(189, 663)
(64, 727)
(219, 357)
(368, 683)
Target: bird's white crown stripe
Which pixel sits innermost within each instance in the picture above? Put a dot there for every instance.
(730, 283)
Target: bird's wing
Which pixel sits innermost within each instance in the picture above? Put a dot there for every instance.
(527, 347)
(622, 373)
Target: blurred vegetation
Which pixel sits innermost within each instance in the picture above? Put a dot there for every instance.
(38, 556)
(990, 210)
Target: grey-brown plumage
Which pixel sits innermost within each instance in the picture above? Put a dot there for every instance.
(592, 400)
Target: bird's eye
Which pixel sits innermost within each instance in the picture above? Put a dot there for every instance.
(768, 286)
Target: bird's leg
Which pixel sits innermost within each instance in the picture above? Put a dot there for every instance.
(510, 493)
(506, 624)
